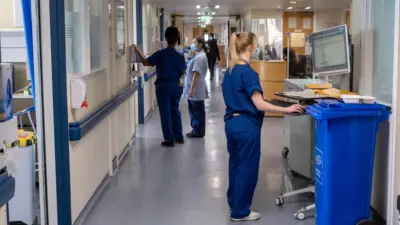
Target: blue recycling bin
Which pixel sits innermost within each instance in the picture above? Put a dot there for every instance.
(345, 138)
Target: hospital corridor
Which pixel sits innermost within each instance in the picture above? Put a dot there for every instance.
(199, 112)
(187, 184)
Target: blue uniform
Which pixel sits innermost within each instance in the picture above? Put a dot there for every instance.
(170, 66)
(243, 132)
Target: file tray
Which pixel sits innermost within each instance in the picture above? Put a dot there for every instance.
(7, 188)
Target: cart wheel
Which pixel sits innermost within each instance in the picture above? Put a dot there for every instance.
(366, 222)
(285, 152)
(279, 201)
(300, 215)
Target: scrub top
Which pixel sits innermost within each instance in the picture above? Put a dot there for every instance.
(198, 64)
(237, 88)
(170, 65)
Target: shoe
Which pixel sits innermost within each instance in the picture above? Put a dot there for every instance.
(180, 141)
(251, 217)
(169, 144)
(192, 135)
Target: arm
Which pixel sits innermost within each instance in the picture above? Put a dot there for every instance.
(196, 76)
(142, 59)
(218, 56)
(262, 105)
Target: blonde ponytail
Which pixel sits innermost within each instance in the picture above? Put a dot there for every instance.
(233, 55)
(239, 44)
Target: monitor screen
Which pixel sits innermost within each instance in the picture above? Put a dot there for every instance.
(330, 51)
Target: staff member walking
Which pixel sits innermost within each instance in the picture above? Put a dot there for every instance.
(170, 67)
(195, 89)
(245, 108)
(212, 54)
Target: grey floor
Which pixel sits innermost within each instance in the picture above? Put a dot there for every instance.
(186, 185)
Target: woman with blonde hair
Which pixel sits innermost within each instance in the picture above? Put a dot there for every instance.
(245, 108)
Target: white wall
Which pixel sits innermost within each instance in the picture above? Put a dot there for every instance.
(324, 19)
(91, 157)
(10, 14)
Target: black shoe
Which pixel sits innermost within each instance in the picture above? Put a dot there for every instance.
(169, 144)
(192, 135)
(180, 141)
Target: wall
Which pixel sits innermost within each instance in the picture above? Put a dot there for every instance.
(300, 27)
(324, 19)
(91, 157)
(8, 11)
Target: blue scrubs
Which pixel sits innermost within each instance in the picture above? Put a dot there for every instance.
(243, 132)
(170, 66)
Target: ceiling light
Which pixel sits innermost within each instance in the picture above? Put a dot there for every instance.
(308, 7)
(293, 2)
(206, 7)
(121, 7)
(213, 13)
(198, 6)
(290, 8)
(198, 13)
(217, 6)
(198, 17)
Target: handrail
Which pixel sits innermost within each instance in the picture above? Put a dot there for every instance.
(79, 129)
(150, 74)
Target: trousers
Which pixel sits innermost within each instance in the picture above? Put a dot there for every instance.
(168, 97)
(244, 143)
(197, 113)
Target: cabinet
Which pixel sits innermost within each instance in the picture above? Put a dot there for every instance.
(272, 76)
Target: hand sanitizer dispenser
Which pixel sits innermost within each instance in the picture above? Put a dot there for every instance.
(6, 92)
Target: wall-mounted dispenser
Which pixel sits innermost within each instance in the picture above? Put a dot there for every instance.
(78, 94)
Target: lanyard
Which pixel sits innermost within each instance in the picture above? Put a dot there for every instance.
(243, 60)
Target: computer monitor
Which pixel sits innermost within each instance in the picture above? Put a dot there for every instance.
(330, 51)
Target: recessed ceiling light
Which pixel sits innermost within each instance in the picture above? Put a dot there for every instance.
(290, 8)
(217, 6)
(213, 13)
(198, 6)
(308, 7)
(198, 13)
(121, 7)
(206, 7)
(293, 2)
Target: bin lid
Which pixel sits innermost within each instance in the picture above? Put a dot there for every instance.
(331, 109)
(25, 138)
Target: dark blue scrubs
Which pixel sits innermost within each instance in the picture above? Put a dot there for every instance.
(170, 66)
(243, 132)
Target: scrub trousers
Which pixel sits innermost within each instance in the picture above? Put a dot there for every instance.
(244, 143)
(211, 66)
(168, 97)
(197, 113)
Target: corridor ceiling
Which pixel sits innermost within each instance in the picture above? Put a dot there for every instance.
(235, 7)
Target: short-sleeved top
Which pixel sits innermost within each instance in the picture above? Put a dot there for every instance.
(198, 64)
(237, 88)
(170, 65)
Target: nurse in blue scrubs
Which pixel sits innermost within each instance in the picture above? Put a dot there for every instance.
(245, 108)
(195, 88)
(170, 68)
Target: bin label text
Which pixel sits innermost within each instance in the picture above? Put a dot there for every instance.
(319, 156)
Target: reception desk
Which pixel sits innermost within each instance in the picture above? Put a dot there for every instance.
(272, 77)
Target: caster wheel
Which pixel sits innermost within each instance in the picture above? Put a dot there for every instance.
(301, 215)
(279, 201)
(285, 152)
